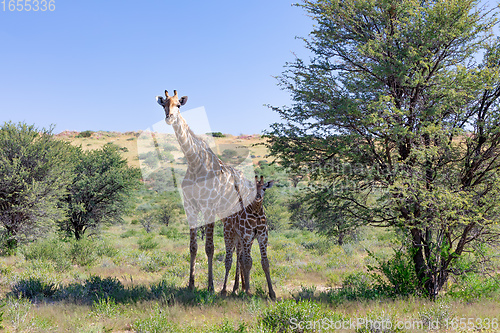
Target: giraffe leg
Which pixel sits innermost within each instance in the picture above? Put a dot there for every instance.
(262, 238)
(209, 250)
(193, 249)
(246, 259)
(229, 258)
(239, 269)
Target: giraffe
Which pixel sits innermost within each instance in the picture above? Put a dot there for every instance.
(240, 229)
(209, 188)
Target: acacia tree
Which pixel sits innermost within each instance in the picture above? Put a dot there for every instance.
(35, 170)
(99, 192)
(397, 124)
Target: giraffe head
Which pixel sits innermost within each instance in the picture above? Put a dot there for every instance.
(171, 105)
(262, 187)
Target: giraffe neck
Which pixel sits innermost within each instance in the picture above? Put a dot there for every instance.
(256, 206)
(195, 150)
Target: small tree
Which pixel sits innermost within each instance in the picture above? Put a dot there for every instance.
(99, 191)
(35, 170)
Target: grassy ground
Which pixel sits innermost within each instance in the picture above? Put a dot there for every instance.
(127, 280)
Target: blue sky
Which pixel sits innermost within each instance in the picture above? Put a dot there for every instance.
(98, 65)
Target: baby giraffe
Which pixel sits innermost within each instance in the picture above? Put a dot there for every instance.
(240, 229)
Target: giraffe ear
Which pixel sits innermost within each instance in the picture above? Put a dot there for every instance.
(269, 184)
(183, 100)
(159, 100)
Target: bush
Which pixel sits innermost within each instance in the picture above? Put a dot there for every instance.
(85, 134)
(355, 286)
(108, 288)
(49, 249)
(147, 243)
(129, 233)
(33, 288)
(105, 307)
(170, 232)
(285, 315)
(217, 134)
(82, 252)
(474, 287)
(398, 275)
(227, 327)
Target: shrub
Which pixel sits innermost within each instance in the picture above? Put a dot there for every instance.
(82, 252)
(355, 286)
(48, 249)
(227, 327)
(305, 293)
(319, 246)
(33, 288)
(129, 233)
(285, 315)
(147, 243)
(170, 232)
(108, 288)
(398, 275)
(85, 134)
(473, 287)
(105, 307)
(217, 134)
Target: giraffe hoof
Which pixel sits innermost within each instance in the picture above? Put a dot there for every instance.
(223, 293)
(272, 295)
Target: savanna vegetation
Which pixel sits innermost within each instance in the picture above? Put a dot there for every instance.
(383, 217)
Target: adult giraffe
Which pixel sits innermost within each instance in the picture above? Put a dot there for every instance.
(210, 187)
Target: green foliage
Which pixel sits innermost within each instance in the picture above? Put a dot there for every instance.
(105, 307)
(217, 134)
(82, 252)
(108, 288)
(64, 253)
(227, 327)
(394, 122)
(85, 134)
(170, 232)
(51, 249)
(355, 287)
(99, 191)
(2, 305)
(475, 287)
(275, 207)
(33, 288)
(129, 233)
(147, 243)
(35, 169)
(283, 316)
(398, 275)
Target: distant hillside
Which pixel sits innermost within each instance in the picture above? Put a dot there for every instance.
(228, 147)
